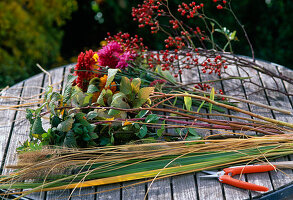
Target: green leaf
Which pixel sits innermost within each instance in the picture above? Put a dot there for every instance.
(212, 97)
(193, 132)
(91, 115)
(81, 119)
(113, 112)
(161, 130)
(166, 74)
(37, 128)
(48, 92)
(77, 96)
(105, 94)
(142, 131)
(68, 88)
(111, 75)
(201, 105)
(104, 141)
(118, 101)
(152, 118)
(135, 85)
(29, 115)
(190, 138)
(187, 102)
(100, 100)
(232, 35)
(69, 140)
(94, 135)
(55, 121)
(92, 89)
(66, 125)
(87, 99)
(125, 85)
(142, 113)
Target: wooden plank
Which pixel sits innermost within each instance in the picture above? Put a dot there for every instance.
(288, 87)
(184, 187)
(234, 87)
(160, 189)
(281, 101)
(253, 93)
(20, 131)
(7, 118)
(84, 193)
(110, 195)
(209, 189)
(193, 76)
(136, 192)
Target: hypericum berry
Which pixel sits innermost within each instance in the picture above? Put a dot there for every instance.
(224, 1)
(219, 7)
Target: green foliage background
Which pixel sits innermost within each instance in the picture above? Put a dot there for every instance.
(53, 32)
(30, 33)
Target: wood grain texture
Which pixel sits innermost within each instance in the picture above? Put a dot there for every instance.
(135, 192)
(195, 76)
(110, 195)
(278, 100)
(209, 188)
(234, 88)
(184, 187)
(255, 94)
(7, 117)
(160, 190)
(20, 131)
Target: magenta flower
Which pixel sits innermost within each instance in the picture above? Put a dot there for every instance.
(109, 54)
(113, 56)
(122, 63)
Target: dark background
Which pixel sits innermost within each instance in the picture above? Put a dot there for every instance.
(53, 32)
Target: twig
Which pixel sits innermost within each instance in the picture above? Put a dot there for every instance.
(49, 75)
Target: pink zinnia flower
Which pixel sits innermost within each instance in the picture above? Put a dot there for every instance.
(109, 54)
(122, 63)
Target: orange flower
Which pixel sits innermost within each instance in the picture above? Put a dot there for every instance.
(102, 84)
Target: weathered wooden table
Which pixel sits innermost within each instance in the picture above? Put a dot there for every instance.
(14, 129)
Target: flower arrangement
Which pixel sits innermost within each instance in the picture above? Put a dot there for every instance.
(127, 100)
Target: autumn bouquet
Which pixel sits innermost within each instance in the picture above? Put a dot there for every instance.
(127, 113)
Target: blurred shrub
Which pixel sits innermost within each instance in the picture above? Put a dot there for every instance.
(30, 33)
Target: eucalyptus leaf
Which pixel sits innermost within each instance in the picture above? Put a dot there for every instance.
(92, 88)
(111, 76)
(125, 85)
(91, 115)
(66, 125)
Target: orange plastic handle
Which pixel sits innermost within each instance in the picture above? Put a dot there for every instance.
(248, 169)
(242, 184)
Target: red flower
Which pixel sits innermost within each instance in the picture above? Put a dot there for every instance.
(84, 69)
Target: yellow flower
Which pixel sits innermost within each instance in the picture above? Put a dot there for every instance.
(126, 123)
(96, 57)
